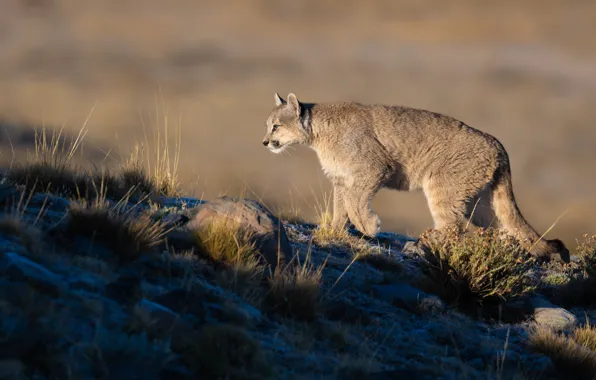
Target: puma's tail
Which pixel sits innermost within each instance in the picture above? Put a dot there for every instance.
(511, 219)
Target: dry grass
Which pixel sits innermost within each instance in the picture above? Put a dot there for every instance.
(325, 235)
(224, 241)
(586, 336)
(294, 289)
(52, 169)
(126, 232)
(150, 170)
(225, 351)
(569, 355)
(485, 266)
(586, 250)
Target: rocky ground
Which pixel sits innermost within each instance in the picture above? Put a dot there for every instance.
(76, 306)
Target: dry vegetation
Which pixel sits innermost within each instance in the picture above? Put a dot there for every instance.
(291, 290)
(581, 290)
(124, 231)
(572, 354)
(586, 251)
(486, 266)
(294, 290)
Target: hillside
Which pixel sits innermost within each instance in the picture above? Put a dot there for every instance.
(113, 275)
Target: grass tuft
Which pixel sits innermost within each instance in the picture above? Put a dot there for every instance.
(127, 233)
(483, 267)
(294, 290)
(585, 336)
(569, 355)
(224, 241)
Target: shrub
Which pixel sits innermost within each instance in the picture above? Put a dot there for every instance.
(586, 251)
(486, 265)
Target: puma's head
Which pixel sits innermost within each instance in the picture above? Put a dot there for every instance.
(285, 126)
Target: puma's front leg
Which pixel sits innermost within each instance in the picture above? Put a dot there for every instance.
(357, 200)
(340, 214)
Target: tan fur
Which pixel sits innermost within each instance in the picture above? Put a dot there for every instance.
(363, 148)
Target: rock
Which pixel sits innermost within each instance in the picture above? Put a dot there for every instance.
(549, 315)
(269, 232)
(409, 298)
(18, 268)
(556, 318)
(431, 304)
(184, 302)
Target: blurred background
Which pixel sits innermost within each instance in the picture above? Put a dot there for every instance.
(524, 71)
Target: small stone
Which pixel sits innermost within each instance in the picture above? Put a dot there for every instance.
(431, 304)
(549, 315)
(18, 268)
(556, 318)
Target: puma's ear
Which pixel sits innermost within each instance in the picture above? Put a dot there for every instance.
(294, 103)
(278, 100)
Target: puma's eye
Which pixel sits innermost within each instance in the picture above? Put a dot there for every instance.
(274, 128)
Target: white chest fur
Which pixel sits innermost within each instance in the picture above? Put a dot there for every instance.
(332, 166)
